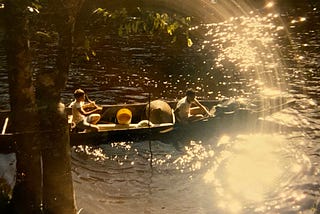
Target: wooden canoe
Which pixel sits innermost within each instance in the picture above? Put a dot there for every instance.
(110, 130)
(169, 131)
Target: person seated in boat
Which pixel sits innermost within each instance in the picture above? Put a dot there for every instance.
(84, 115)
(184, 113)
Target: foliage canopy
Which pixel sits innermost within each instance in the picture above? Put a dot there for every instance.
(137, 21)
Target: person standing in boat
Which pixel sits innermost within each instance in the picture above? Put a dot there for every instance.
(84, 116)
(184, 113)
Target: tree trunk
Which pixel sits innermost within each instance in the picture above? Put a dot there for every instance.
(53, 187)
(27, 191)
(58, 195)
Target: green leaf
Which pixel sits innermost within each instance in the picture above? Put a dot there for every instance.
(106, 14)
(174, 39)
(98, 11)
(190, 43)
(87, 57)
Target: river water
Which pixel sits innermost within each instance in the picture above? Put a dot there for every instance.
(260, 170)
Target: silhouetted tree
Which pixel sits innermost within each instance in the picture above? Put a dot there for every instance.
(44, 181)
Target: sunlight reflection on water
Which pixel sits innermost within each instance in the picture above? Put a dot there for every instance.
(194, 155)
(245, 41)
(252, 169)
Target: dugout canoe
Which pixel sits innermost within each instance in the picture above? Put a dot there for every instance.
(143, 127)
(139, 129)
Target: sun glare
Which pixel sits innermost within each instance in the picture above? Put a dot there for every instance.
(252, 168)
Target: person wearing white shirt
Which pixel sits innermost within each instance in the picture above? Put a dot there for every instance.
(184, 111)
(83, 118)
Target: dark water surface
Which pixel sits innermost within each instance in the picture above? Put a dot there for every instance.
(250, 171)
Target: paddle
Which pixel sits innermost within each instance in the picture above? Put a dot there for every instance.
(209, 117)
(167, 130)
(92, 102)
(4, 128)
(204, 118)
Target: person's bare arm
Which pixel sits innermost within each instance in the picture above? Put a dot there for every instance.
(85, 112)
(91, 104)
(202, 107)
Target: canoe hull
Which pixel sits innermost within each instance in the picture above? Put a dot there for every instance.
(227, 119)
(130, 134)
